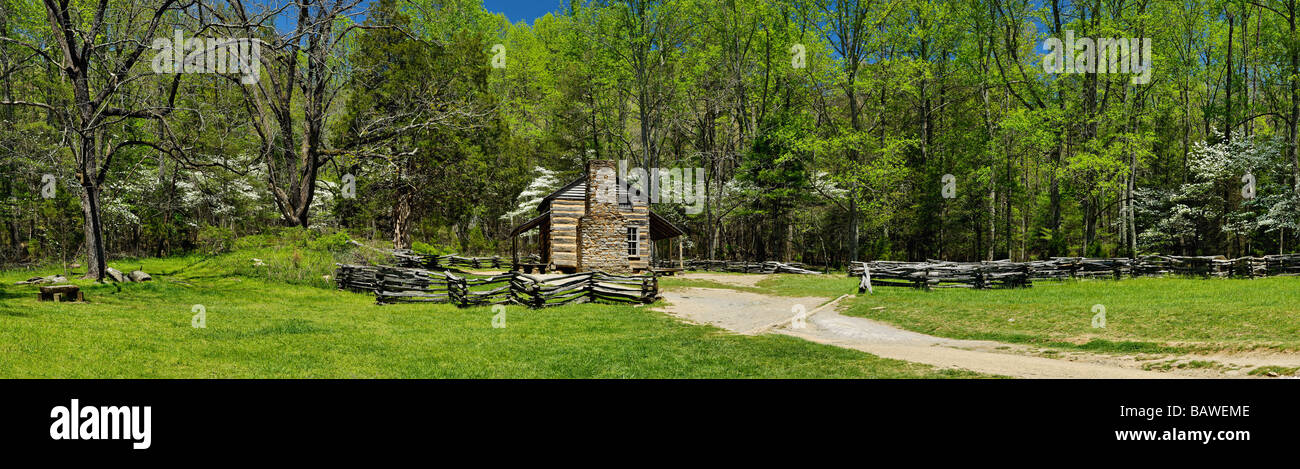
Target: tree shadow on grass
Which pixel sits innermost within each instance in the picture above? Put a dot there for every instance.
(11, 311)
(182, 269)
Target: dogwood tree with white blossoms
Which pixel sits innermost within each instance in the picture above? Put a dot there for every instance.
(542, 185)
(1213, 197)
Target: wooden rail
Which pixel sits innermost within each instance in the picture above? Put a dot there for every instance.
(393, 284)
(356, 278)
(945, 274)
(411, 259)
(765, 267)
(1006, 274)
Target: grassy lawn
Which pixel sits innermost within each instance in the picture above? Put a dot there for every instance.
(283, 321)
(1157, 315)
(829, 286)
(675, 282)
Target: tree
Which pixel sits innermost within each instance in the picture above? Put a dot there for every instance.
(105, 93)
(304, 74)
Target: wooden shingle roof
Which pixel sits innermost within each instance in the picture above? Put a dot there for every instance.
(661, 228)
(576, 190)
(530, 224)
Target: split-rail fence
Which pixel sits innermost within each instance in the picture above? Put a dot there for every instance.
(394, 284)
(1006, 274)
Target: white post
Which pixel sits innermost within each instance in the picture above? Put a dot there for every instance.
(866, 279)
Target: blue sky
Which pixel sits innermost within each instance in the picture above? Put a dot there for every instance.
(515, 11)
(522, 10)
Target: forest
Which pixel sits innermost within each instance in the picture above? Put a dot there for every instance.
(828, 131)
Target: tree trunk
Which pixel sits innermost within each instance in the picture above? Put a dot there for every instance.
(1130, 222)
(1294, 49)
(853, 231)
(402, 221)
(853, 156)
(1227, 102)
(713, 246)
(1054, 202)
(94, 230)
(789, 242)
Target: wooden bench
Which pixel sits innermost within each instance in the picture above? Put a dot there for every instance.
(62, 293)
(665, 272)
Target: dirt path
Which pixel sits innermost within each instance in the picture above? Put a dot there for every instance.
(751, 313)
(830, 327)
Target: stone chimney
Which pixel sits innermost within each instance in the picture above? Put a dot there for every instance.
(602, 186)
(602, 230)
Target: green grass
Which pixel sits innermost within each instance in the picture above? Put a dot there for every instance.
(673, 282)
(1169, 365)
(1145, 315)
(829, 286)
(1280, 370)
(826, 285)
(283, 321)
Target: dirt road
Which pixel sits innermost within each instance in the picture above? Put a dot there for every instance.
(830, 327)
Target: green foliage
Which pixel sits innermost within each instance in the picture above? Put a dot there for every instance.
(431, 249)
(333, 242)
(216, 239)
(822, 126)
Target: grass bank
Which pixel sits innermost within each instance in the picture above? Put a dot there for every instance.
(1143, 315)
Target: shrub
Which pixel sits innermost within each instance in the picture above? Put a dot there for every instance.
(334, 242)
(215, 240)
(430, 249)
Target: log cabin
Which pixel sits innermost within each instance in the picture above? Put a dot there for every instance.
(582, 228)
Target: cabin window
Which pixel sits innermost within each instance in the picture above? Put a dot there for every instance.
(633, 241)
